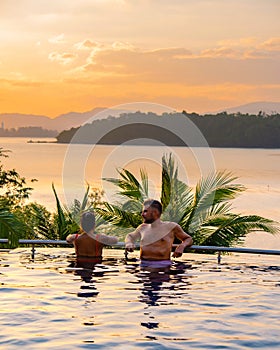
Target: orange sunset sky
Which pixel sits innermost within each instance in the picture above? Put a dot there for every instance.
(197, 55)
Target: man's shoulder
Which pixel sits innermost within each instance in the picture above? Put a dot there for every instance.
(170, 224)
(142, 225)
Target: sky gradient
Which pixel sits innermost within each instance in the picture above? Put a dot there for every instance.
(197, 55)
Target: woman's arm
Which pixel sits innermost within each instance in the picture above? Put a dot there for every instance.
(107, 240)
(71, 238)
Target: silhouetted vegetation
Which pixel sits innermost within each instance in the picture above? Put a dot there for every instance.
(28, 131)
(220, 130)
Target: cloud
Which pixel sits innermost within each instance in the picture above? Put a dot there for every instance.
(23, 83)
(88, 44)
(272, 44)
(240, 42)
(221, 52)
(62, 58)
(169, 65)
(245, 48)
(58, 39)
(120, 45)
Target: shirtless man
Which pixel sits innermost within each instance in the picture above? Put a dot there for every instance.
(156, 237)
(88, 245)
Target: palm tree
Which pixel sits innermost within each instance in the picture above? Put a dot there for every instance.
(10, 226)
(204, 212)
(66, 220)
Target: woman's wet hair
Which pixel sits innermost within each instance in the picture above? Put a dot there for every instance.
(88, 221)
(153, 203)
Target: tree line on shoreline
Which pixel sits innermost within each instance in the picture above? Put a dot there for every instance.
(28, 131)
(220, 130)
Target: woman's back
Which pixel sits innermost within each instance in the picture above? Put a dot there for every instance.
(87, 246)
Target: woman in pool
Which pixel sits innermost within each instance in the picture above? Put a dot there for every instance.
(88, 245)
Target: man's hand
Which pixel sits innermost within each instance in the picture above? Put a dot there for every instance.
(129, 247)
(178, 251)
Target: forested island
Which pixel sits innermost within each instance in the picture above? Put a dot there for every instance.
(180, 129)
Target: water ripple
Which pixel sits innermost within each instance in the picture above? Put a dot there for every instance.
(198, 305)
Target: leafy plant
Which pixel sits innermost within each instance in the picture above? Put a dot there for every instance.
(204, 212)
(14, 189)
(10, 226)
(13, 193)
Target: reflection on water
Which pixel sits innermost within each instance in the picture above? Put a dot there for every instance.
(161, 285)
(196, 304)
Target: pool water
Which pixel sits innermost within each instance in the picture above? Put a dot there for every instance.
(49, 304)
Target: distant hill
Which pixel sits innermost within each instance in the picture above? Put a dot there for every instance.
(75, 119)
(254, 108)
(59, 123)
(17, 120)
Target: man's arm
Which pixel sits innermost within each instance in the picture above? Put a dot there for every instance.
(131, 238)
(186, 239)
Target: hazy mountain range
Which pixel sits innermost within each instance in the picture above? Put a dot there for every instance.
(75, 119)
(255, 108)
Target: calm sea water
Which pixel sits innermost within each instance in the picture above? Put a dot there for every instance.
(71, 167)
(46, 304)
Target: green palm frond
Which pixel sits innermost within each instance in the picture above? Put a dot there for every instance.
(41, 224)
(128, 184)
(169, 180)
(10, 226)
(115, 215)
(61, 216)
(6, 222)
(66, 223)
(204, 212)
(215, 188)
(165, 187)
(176, 196)
(181, 198)
(144, 184)
(132, 206)
(84, 204)
(232, 228)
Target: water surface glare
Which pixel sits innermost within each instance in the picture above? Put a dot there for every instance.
(198, 304)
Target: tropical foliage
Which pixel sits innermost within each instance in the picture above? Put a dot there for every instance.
(13, 192)
(66, 220)
(14, 189)
(203, 211)
(21, 220)
(43, 224)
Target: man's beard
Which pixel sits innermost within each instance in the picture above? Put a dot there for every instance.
(149, 221)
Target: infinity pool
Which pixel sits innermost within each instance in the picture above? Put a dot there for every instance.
(198, 304)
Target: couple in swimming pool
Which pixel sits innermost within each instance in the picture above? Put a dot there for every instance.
(156, 238)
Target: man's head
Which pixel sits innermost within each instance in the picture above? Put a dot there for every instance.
(152, 210)
(88, 221)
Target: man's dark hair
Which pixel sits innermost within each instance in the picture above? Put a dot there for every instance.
(153, 203)
(87, 221)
